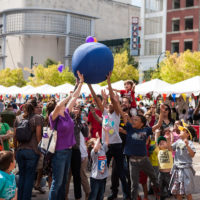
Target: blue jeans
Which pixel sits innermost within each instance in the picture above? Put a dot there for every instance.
(60, 168)
(27, 161)
(97, 189)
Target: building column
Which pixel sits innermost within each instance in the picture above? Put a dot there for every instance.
(92, 27)
(67, 40)
(4, 42)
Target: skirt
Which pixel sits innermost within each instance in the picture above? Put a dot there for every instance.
(182, 180)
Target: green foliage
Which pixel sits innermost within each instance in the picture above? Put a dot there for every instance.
(9, 77)
(175, 68)
(49, 62)
(126, 47)
(51, 76)
(122, 70)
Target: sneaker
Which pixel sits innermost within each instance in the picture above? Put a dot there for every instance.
(42, 191)
(112, 197)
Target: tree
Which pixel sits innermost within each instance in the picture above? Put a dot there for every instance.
(126, 47)
(9, 77)
(51, 76)
(49, 62)
(122, 70)
(175, 68)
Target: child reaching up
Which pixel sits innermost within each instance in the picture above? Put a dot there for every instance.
(7, 178)
(129, 92)
(99, 172)
(165, 161)
(182, 179)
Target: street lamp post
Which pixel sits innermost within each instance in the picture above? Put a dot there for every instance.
(158, 60)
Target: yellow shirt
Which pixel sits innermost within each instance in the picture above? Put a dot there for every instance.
(153, 156)
(165, 159)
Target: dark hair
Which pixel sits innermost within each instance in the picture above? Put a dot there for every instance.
(98, 95)
(129, 82)
(141, 110)
(9, 105)
(125, 97)
(143, 119)
(6, 157)
(169, 113)
(51, 104)
(192, 131)
(141, 103)
(29, 107)
(183, 111)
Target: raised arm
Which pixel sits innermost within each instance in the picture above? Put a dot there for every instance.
(116, 90)
(99, 119)
(76, 93)
(60, 104)
(160, 121)
(99, 104)
(112, 95)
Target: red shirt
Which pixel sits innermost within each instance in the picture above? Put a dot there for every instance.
(96, 126)
(131, 95)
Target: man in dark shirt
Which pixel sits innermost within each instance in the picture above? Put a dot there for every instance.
(196, 114)
(8, 115)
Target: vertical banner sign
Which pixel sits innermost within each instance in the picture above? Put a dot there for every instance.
(134, 44)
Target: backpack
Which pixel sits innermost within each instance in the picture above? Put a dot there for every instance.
(23, 131)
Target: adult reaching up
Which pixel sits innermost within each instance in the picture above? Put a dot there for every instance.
(61, 120)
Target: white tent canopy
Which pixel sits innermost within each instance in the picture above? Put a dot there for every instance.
(97, 88)
(44, 89)
(64, 89)
(150, 87)
(188, 86)
(154, 86)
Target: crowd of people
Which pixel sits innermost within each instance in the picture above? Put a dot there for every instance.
(151, 145)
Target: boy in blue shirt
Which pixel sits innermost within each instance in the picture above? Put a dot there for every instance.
(7, 178)
(135, 148)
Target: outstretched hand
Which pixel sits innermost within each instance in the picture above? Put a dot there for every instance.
(104, 95)
(108, 77)
(162, 108)
(80, 76)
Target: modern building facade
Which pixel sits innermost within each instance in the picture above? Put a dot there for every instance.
(153, 34)
(55, 28)
(183, 25)
(167, 25)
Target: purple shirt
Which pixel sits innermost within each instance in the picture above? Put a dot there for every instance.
(65, 131)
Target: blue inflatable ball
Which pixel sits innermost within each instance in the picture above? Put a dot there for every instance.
(93, 60)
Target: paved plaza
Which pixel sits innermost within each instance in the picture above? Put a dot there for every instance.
(196, 195)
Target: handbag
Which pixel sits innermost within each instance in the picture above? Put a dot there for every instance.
(48, 141)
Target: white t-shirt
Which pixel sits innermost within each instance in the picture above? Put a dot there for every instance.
(111, 124)
(83, 147)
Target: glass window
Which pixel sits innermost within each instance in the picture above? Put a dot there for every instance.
(153, 5)
(189, 3)
(175, 47)
(153, 47)
(188, 45)
(176, 25)
(153, 25)
(1, 43)
(176, 4)
(189, 24)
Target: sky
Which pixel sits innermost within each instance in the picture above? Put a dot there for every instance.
(136, 2)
